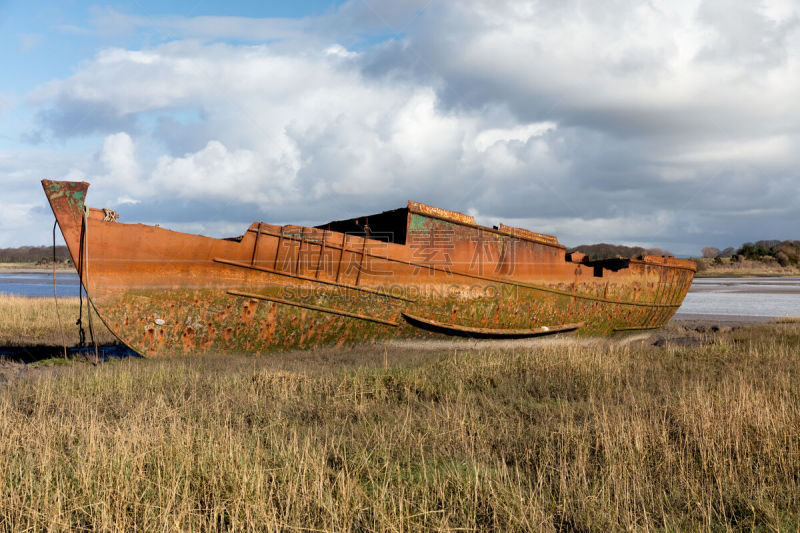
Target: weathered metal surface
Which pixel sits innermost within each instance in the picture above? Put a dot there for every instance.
(528, 234)
(438, 212)
(163, 292)
(313, 307)
(315, 279)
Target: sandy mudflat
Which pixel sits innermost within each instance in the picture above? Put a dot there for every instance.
(698, 319)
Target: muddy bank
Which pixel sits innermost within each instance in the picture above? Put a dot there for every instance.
(699, 319)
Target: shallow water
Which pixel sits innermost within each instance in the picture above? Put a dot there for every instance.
(743, 297)
(39, 284)
(737, 297)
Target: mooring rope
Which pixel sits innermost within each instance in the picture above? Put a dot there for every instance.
(79, 322)
(86, 287)
(55, 295)
(84, 269)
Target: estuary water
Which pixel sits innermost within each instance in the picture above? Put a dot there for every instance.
(38, 284)
(759, 298)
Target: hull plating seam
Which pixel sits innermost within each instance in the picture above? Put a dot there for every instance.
(313, 307)
(313, 280)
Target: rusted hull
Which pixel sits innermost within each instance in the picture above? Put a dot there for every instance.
(277, 287)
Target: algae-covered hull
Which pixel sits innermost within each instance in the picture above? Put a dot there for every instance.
(410, 272)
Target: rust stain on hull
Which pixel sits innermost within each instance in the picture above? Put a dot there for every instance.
(279, 287)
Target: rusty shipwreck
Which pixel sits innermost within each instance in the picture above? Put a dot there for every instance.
(414, 271)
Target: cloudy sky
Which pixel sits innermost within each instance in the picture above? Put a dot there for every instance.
(662, 123)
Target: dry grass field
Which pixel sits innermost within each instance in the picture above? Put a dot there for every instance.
(35, 322)
(603, 435)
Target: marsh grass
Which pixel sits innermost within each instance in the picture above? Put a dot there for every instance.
(604, 436)
(34, 321)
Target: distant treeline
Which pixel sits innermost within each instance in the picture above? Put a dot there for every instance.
(608, 251)
(33, 254)
(784, 252)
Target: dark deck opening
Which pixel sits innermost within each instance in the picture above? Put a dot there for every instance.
(389, 226)
(613, 264)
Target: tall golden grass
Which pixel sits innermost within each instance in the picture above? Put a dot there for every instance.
(35, 321)
(604, 436)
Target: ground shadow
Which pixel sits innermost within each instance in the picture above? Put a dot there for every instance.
(35, 353)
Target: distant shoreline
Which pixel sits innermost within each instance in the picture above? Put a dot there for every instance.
(743, 268)
(25, 268)
(30, 268)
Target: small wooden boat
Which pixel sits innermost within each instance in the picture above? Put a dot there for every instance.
(410, 272)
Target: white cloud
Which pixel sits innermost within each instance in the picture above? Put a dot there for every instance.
(213, 172)
(619, 66)
(519, 133)
(621, 120)
(25, 216)
(15, 214)
(629, 229)
(119, 157)
(286, 128)
(340, 51)
(114, 173)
